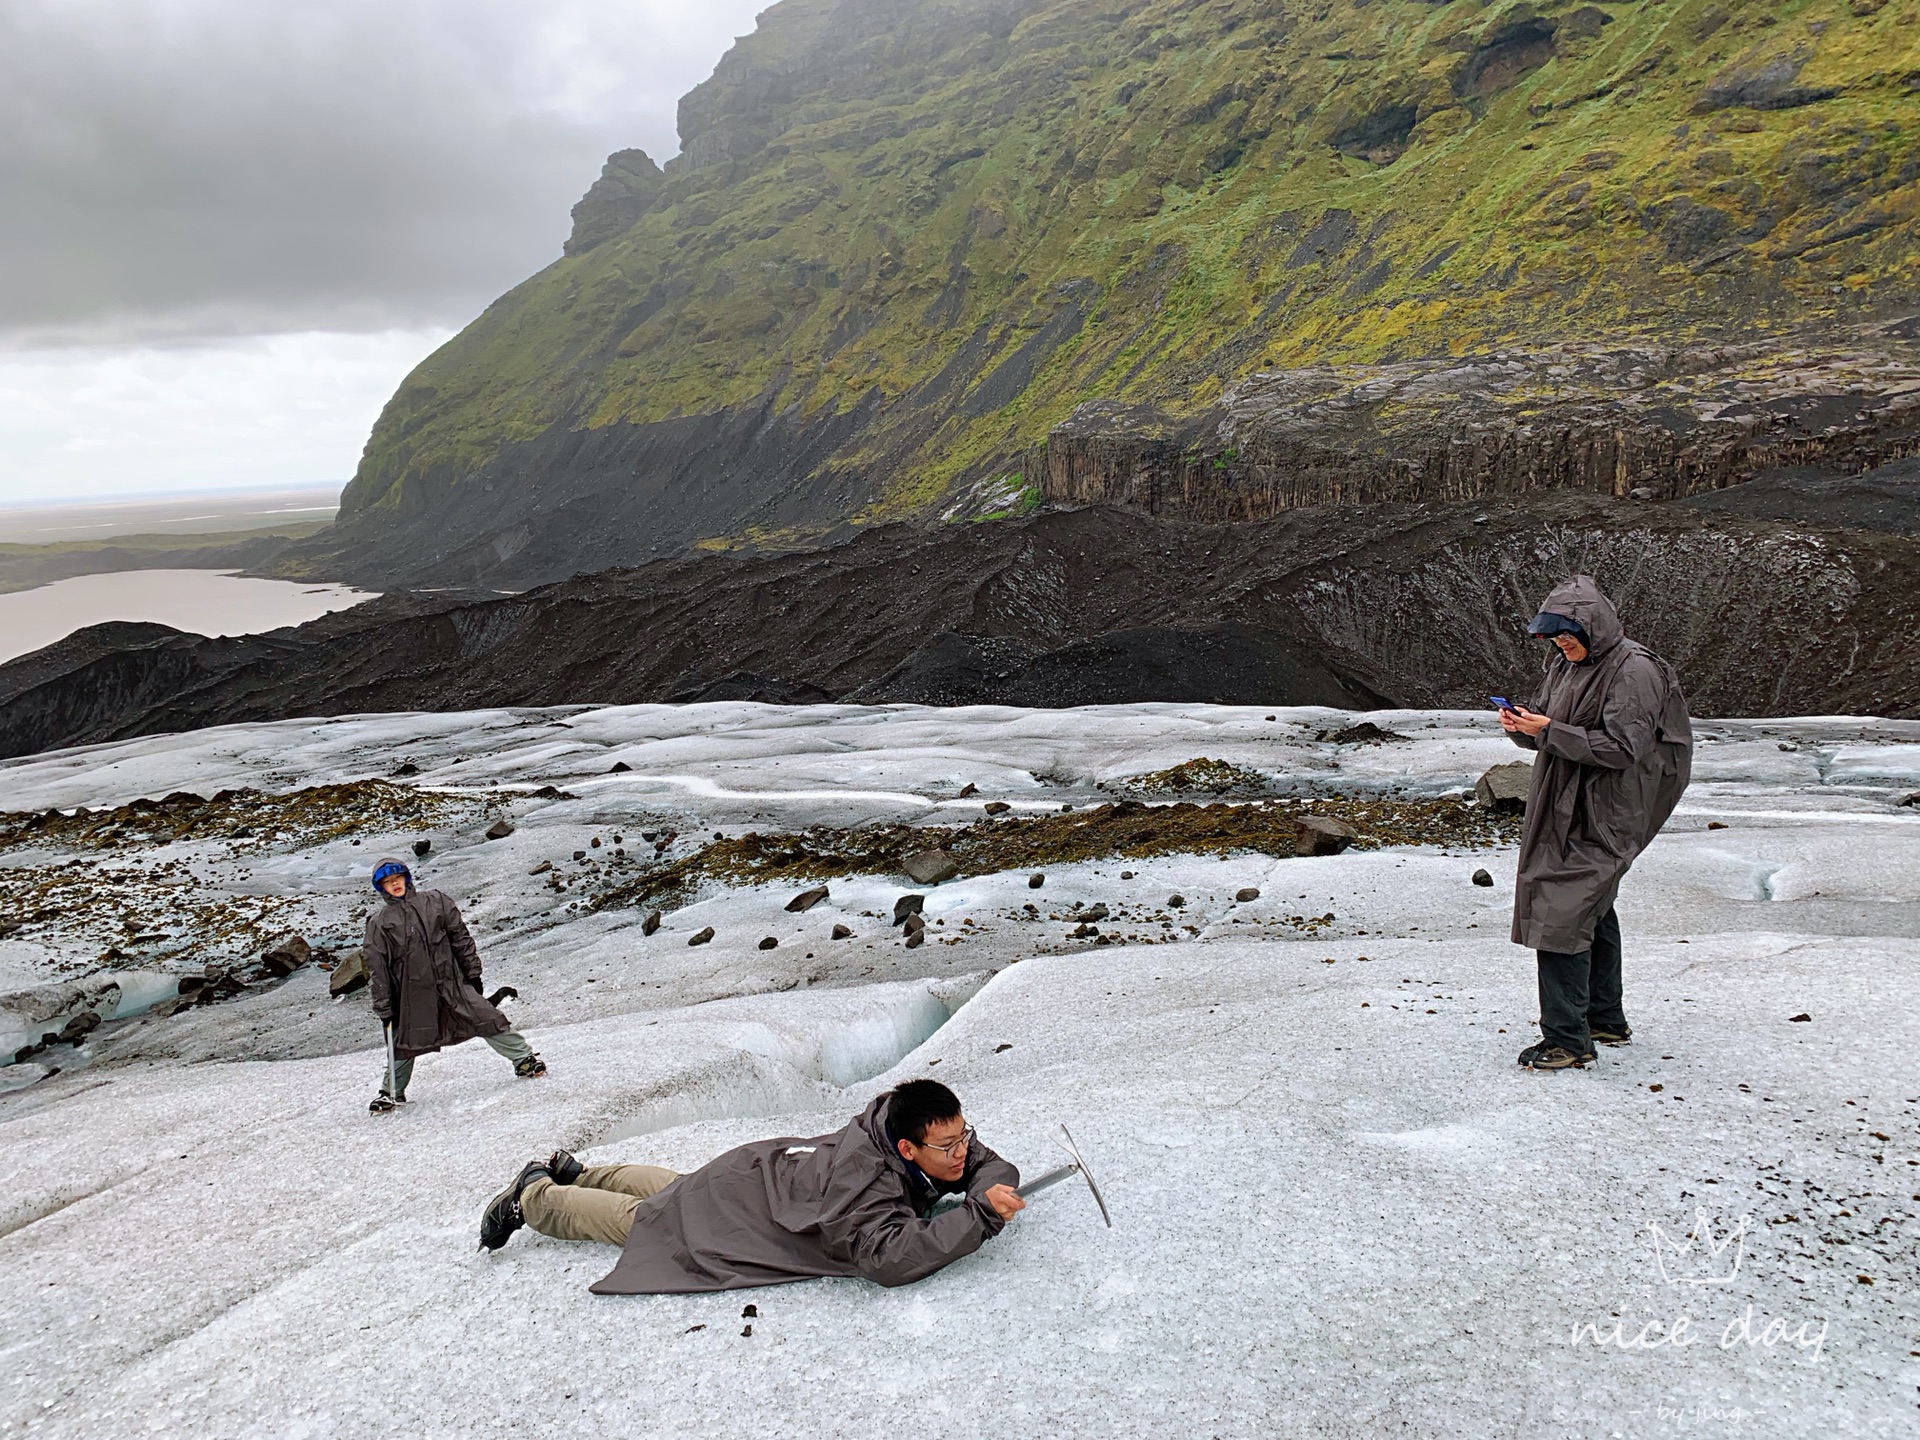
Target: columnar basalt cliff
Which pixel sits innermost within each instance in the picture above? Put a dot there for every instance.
(907, 240)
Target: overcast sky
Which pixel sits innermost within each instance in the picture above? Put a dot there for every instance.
(229, 227)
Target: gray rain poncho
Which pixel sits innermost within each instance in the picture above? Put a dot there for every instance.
(1612, 766)
(781, 1210)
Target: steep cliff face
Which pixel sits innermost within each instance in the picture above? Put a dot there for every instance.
(906, 238)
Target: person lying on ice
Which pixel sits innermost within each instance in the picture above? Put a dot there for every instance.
(855, 1203)
(423, 972)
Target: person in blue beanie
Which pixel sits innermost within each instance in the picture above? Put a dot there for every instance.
(423, 973)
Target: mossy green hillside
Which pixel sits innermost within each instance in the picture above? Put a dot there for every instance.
(971, 217)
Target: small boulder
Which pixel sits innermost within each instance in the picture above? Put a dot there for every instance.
(843, 932)
(421, 847)
(499, 830)
(966, 790)
(1085, 930)
(916, 938)
(286, 957)
(1092, 912)
(1482, 877)
(1716, 824)
(1801, 1019)
(701, 937)
(620, 767)
(1034, 882)
(406, 768)
(1321, 835)
(349, 974)
(770, 943)
(541, 868)
(1504, 788)
(806, 900)
(908, 905)
(929, 867)
(651, 923)
(915, 922)
(80, 1026)
(1250, 892)
(1174, 902)
(996, 807)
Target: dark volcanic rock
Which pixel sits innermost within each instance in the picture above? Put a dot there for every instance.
(1108, 606)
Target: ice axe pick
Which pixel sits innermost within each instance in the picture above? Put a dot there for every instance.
(1076, 1166)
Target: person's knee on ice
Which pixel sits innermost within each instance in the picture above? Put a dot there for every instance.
(423, 980)
(863, 1201)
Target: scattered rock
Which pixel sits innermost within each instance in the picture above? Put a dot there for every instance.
(499, 830)
(1174, 902)
(843, 932)
(751, 1312)
(349, 975)
(407, 768)
(908, 905)
(1251, 892)
(806, 900)
(651, 923)
(421, 847)
(1092, 912)
(996, 807)
(1482, 877)
(1504, 788)
(916, 938)
(1084, 931)
(701, 937)
(1716, 824)
(929, 867)
(579, 855)
(770, 943)
(620, 767)
(1911, 800)
(1801, 1018)
(915, 923)
(1365, 733)
(1034, 882)
(286, 957)
(1126, 874)
(968, 789)
(10, 927)
(999, 1049)
(79, 1026)
(541, 868)
(1321, 835)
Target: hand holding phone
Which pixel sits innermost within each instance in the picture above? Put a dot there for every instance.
(1500, 702)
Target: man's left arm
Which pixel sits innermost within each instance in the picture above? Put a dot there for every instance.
(1628, 717)
(987, 1170)
(466, 954)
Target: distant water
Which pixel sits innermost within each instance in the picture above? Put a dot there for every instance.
(206, 602)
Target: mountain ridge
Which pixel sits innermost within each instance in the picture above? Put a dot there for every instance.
(904, 241)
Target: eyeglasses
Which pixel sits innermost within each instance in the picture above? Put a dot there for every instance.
(958, 1147)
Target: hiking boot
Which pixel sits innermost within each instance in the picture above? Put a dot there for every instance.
(531, 1068)
(1604, 1034)
(1553, 1057)
(563, 1167)
(502, 1216)
(385, 1104)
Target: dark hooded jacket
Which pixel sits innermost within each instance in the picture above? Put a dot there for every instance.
(423, 972)
(1612, 766)
(782, 1210)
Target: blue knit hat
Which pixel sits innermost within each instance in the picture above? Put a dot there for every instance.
(388, 868)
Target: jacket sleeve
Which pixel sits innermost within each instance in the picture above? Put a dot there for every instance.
(380, 976)
(466, 954)
(987, 1170)
(898, 1247)
(1629, 715)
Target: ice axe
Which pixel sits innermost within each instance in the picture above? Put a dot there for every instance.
(1075, 1166)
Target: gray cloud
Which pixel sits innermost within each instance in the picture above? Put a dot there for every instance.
(192, 168)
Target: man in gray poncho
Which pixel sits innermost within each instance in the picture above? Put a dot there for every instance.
(859, 1202)
(1616, 749)
(423, 975)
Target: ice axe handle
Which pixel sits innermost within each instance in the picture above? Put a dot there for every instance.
(1042, 1182)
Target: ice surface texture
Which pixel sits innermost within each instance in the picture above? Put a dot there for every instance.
(1339, 1207)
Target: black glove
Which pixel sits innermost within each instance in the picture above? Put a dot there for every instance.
(474, 981)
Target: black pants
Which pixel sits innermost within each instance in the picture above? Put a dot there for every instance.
(1582, 989)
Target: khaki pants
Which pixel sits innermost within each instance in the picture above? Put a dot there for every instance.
(600, 1205)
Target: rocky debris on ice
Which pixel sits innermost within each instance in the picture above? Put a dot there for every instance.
(1504, 788)
(929, 867)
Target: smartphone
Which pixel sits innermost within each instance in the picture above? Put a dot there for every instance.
(1500, 702)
